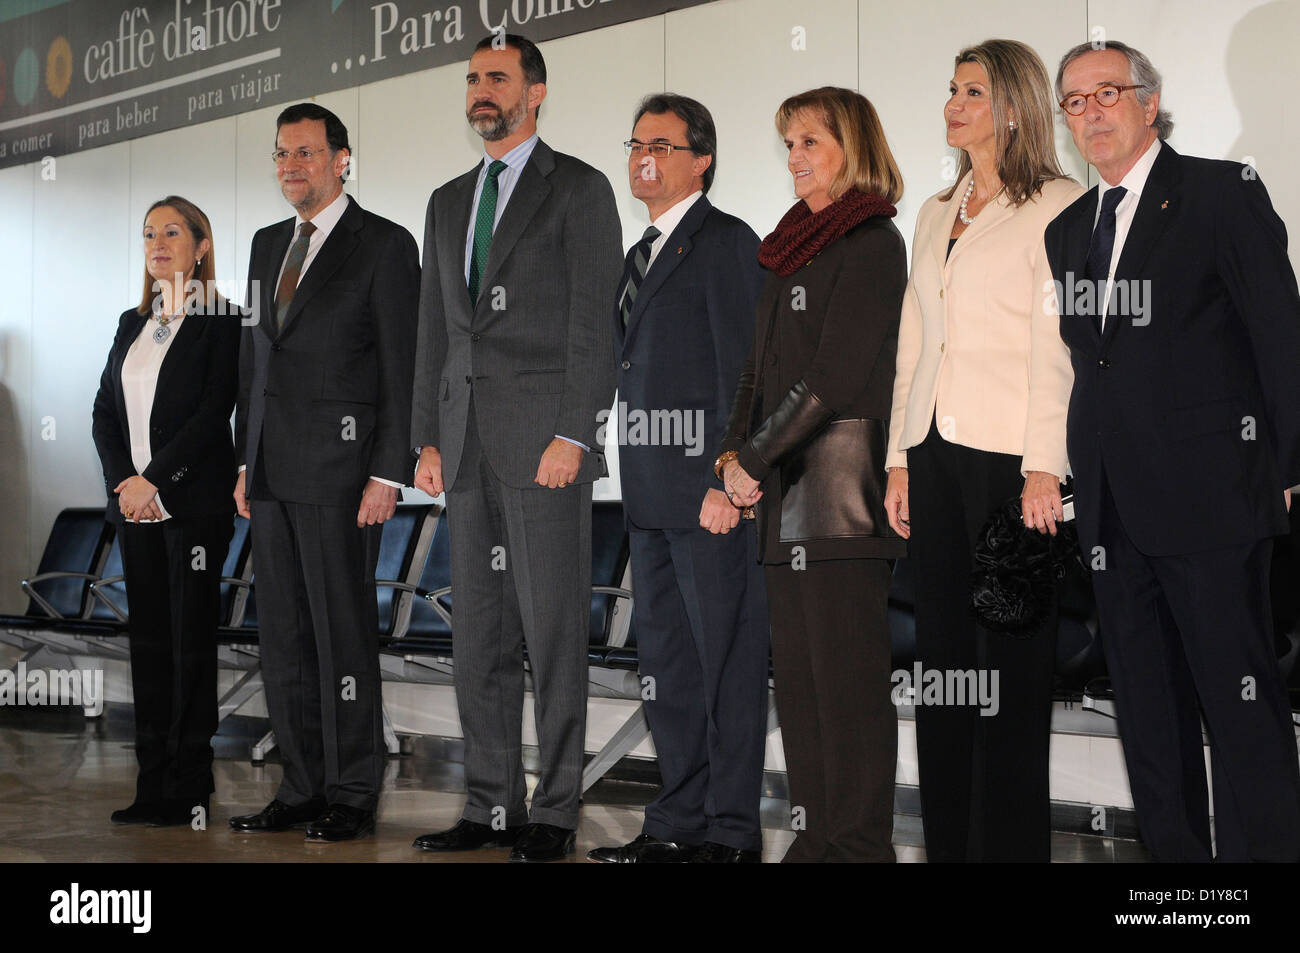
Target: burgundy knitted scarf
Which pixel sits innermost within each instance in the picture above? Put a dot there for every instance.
(801, 234)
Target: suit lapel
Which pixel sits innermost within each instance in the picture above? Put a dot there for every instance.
(137, 324)
(1155, 211)
(674, 251)
(989, 218)
(270, 276)
(1078, 237)
(461, 204)
(941, 229)
(338, 246)
(527, 197)
(184, 339)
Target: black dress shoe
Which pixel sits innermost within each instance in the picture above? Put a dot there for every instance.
(178, 813)
(467, 835)
(341, 822)
(538, 843)
(645, 849)
(140, 812)
(711, 853)
(278, 816)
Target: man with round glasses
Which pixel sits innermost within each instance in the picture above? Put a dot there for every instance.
(1183, 435)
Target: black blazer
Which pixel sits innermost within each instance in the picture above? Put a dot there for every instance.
(1192, 406)
(811, 416)
(193, 459)
(686, 340)
(325, 404)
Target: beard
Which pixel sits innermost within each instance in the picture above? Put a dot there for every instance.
(496, 126)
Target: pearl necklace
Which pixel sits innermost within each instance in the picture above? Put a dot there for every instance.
(961, 212)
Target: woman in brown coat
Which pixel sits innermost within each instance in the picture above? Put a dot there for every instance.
(806, 444)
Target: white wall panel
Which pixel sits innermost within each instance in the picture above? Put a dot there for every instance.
(17, 199)
(739, 58)
(81, 281)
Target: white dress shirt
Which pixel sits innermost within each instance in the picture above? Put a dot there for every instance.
(1134, 182)
(668, 221)
(139, 384)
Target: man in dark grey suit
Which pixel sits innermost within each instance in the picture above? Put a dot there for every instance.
(513, 366)
(321, 439)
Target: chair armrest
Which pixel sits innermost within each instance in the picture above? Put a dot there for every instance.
(103, 597)
(36, 597)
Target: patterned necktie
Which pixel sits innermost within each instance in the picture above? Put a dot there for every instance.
(483, 222)
(1097, 269)
(292, 271)
(638, 262)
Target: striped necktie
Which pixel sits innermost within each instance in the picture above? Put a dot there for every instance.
(483, 222)
(284, 291)
(638, 263)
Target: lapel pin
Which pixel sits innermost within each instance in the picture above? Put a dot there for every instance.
(679, 250)
(1164, 204)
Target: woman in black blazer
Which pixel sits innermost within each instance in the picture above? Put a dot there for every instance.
(162, 430)
(806, 443)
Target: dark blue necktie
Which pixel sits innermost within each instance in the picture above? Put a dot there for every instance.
(634, 269)
(1097, 269)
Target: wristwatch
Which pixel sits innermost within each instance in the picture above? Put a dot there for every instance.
(723, 459)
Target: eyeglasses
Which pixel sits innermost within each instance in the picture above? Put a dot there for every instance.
(281, 156)
(1107, 96)
(660, 150)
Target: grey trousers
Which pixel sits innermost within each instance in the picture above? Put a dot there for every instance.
(520, 575)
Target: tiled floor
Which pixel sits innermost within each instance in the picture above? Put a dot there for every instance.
(61, 776)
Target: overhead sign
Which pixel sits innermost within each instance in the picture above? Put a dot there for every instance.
(76, 74)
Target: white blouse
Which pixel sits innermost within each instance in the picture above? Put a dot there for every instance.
(139, 382)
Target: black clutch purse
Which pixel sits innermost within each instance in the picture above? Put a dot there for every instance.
(1016, 570)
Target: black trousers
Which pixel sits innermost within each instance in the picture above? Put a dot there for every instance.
(839, 727)
(702, 636)
(1191, 634)
(315, 578)
(173, 581)
(984, 778)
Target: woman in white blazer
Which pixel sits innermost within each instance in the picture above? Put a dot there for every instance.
(980, 396)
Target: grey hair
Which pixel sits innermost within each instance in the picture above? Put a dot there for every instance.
(1142, 74)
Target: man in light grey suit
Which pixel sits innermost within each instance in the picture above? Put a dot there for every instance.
(521, 258)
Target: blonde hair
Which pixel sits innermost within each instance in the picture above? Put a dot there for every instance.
(1019, 86)
(869, 164)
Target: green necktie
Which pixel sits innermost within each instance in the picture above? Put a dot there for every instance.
(483, 222)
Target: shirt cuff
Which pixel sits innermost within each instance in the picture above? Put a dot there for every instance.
(388, 482)
(576, 443)
(243, 467)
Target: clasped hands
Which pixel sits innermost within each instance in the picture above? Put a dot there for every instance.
(137, 498)
(721, 510)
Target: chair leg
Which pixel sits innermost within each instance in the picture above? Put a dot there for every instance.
(632, 732)
(263, 747)
(391, 743)
(248, 685)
